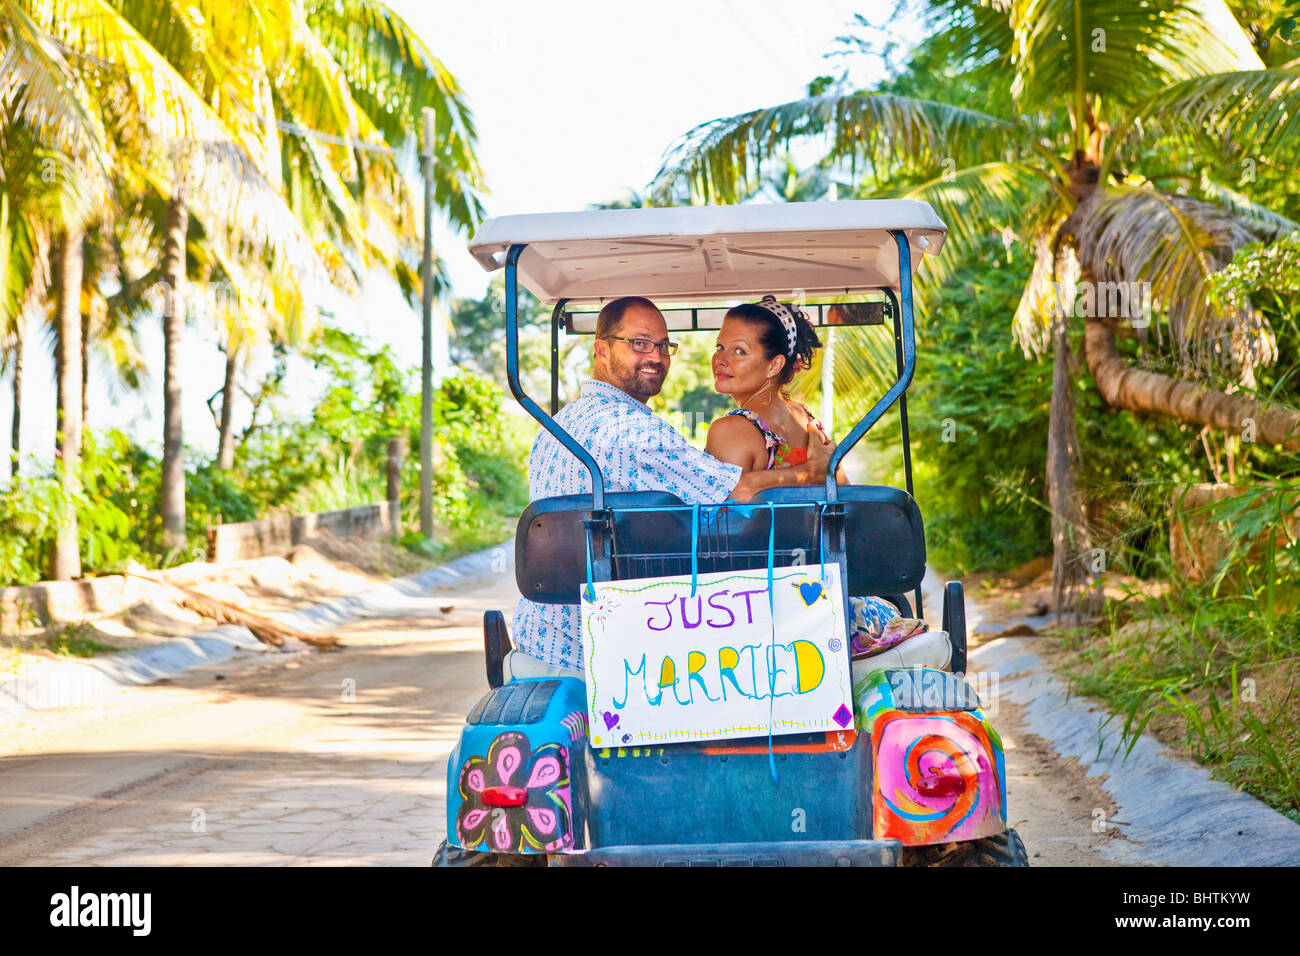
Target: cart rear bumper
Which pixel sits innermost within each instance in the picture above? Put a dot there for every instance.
(803, 853)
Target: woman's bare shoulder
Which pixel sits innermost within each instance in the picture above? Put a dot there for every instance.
(735, 439)
(799, 413)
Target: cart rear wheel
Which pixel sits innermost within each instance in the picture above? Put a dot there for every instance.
(455, 856)
(1005, 849)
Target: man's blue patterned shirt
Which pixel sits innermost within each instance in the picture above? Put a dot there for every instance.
(636, 451)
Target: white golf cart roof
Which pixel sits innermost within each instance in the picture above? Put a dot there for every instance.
(688, 253)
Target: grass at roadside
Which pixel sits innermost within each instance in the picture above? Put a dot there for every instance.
(74, 640)
(69, 640)
(1210, 668)
(1210, 681)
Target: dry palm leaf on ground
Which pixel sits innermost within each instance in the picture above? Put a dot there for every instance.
(223, 612)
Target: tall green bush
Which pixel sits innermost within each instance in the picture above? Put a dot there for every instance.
(978, 421)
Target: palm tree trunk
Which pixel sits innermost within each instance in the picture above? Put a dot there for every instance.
(1071, 543)
(1138, 390)
(85, 368)
(226, 447)
(15, 439)
(66, 563)
(172, 494)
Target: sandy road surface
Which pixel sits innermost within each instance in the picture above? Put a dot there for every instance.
(271, 764)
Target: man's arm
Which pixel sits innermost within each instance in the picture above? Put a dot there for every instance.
(811, 472)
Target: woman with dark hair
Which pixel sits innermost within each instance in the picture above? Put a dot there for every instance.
(761, 347)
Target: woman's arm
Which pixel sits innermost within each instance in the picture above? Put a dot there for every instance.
(735, 440)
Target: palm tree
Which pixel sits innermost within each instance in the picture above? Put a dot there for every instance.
(1105, 133)
(24, 254)
(51, 115)
(193, 107)
(323, 98)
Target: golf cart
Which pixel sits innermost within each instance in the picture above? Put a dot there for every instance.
(752, 767)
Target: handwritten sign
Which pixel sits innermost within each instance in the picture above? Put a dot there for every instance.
(665, 666)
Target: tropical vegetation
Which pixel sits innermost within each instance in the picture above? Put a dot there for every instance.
(1133, 147)
(1118, 182)
(207, 163)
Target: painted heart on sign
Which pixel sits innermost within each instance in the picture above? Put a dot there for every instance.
(611, 720)
(810, 591)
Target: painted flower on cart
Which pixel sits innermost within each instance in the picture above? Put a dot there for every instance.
(515, 799)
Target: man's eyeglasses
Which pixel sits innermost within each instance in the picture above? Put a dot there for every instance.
(645, 346)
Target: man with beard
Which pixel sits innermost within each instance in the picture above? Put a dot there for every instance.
(636, 450)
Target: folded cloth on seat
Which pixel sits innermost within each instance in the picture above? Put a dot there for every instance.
(869, 615)
(875, 625)
(930, 649)
(866, 643)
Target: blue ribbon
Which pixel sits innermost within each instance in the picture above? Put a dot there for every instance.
(771, 653)
(695, 546)
(821, 552)
(714, 512)
(590, 592)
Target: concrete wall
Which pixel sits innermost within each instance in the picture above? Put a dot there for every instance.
(63, 602)
(253, 539)
(49, 602)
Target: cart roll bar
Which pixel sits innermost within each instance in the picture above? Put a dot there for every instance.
(905, 344)
(556, 315)
(899, 388)
(512, 376)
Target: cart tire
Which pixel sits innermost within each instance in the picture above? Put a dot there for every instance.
(455, 856)
(1005, 849)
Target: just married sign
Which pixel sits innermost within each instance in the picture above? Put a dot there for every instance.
(664, 665)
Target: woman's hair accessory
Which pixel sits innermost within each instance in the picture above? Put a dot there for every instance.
(786, 318)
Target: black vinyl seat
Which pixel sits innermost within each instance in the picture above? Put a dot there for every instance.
(884, 538)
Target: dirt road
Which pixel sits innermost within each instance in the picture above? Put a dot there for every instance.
(338, 758)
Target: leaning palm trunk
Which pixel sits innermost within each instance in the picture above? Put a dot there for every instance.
(1138, 390)
(66, 563)
(226, 447)
(172, 496)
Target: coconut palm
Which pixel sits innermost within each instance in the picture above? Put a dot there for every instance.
(326, 97)
(80, 77)
(24, 253)
(49, 114)
(1110, 136)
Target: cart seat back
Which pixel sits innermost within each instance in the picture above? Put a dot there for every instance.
(884, 539)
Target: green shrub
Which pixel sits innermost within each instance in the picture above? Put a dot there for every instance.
(978, 421)
(333, 459)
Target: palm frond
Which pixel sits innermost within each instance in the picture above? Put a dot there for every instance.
(1248, 115)
(1011, 199)
(393, 77)
(1135, 235)
(1267, 223)
(166, 108)
(41, 89)
(1039, 302)
(223, 51)
(721, 160)
(1120, 51)
(312, 87)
